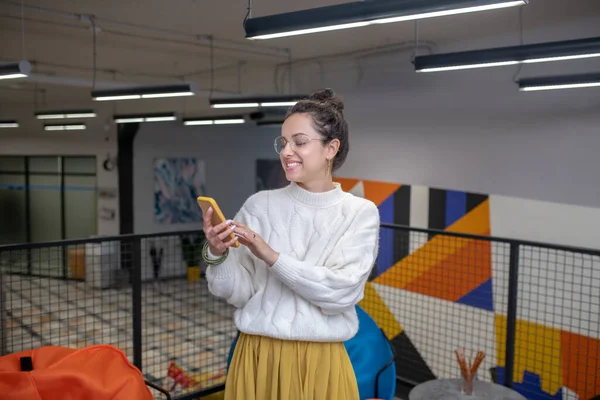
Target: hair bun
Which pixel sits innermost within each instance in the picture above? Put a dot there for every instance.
(328, 96)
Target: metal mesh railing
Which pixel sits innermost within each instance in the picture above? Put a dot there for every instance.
(136, 293)
(558, 329)
(532, 308)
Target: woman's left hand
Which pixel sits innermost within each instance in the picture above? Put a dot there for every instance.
(255, 243)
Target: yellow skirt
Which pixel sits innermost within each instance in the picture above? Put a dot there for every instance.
(264, 368)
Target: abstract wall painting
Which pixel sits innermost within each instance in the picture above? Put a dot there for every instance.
(177, 184)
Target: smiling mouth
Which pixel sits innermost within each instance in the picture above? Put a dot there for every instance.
(293, 164)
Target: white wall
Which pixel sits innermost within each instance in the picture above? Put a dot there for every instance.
(469, 130)
(472, 129)
(550, 156)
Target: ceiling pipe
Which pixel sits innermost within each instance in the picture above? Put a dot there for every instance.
(87, 83)
(282, 69)
(152, 39)
(77, 82)
(223, 43)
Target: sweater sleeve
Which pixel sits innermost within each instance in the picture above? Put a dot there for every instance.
(338, 287)
(232, 279)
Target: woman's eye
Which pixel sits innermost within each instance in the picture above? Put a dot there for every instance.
(299, 143)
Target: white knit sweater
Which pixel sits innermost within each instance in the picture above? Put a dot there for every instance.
(327, 244)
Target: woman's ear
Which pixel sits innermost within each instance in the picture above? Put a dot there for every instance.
(333, 147)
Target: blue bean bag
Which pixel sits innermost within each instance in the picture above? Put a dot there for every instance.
(371, 356)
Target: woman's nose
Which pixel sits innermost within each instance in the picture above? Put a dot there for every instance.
(287, 149)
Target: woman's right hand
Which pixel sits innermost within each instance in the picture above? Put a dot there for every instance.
(217, 235)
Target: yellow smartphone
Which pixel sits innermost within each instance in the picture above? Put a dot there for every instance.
(205, 203)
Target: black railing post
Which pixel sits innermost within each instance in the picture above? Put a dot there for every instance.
(63, 218)
(28, 215)
(3, 332)
(136, 297)
(511, 314)
(65, 263)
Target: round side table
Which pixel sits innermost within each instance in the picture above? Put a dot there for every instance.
(450, 389)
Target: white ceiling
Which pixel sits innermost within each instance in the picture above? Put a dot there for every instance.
(157, 41)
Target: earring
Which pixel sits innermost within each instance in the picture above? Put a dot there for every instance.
(329, 165)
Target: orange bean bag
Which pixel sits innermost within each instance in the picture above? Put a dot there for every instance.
(99, 372)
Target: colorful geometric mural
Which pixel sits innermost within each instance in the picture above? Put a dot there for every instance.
(563, 359)
(536, 339)
(580, 353)
(465, 262)
(424, 282)
(549, 362)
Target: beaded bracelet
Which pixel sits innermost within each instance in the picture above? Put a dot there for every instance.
(211, 261)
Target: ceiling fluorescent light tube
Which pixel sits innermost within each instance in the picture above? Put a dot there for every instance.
(235, 105)
(9, 124)
(147, 92)
(82, 115)
(559, 82)
(162, 95)
(229, 121)
(50, 116)
(191, 122)
(100, 97)
(501, 56)
(19, 69)
(156, 117)
(65, 114)
(74, 127)
(222, 120)
(278, 104)
(160, 119)
(128, 120)
(362, 13)
(257, 101)
(64, 127)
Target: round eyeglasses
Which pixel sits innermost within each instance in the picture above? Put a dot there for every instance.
(298, 141)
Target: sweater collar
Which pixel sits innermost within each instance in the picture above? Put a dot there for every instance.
(321, 199)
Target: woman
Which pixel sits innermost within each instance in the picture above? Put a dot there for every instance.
(306, 253)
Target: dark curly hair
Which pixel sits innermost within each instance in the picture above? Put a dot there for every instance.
(327, 112)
